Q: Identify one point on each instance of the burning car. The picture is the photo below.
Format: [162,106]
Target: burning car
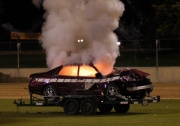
[82,80]
[83,88]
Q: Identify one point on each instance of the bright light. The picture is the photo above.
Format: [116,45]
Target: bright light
[73,71]
[80,40]
[69,71]
[118,43]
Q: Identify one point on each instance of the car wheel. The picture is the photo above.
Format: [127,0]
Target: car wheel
[121,108]
[71,107]
[50,94]
[111,92]
[105,108]
[88,107]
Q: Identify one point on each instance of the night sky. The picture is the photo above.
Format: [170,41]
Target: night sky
[22,15]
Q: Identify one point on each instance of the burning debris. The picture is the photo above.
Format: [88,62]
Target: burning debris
[81,31]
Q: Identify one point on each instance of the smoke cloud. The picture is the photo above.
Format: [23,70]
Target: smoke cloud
[81,31]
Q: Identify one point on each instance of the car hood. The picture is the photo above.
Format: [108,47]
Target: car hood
[127,71]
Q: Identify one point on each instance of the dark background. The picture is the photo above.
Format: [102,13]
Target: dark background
[142,24]
[142,19]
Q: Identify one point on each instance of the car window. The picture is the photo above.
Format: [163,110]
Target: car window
[87,71]
[69,71]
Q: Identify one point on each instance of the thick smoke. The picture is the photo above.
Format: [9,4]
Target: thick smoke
[81,31]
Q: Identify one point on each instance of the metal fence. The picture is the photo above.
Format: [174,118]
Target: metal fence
[24,46]
[133,53]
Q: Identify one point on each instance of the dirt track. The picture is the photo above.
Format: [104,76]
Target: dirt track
[19,90]
[13,90]
[167,90]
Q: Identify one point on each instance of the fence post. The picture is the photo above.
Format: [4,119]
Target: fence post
[157,61]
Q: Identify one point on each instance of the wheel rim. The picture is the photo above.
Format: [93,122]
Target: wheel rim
[88,107]
[71,107]
[111,92]
[50,94]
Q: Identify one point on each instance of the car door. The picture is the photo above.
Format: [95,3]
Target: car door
[85,81]
[67,79]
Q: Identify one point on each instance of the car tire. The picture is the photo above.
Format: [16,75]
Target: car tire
[71,107]
[105,108]
[111,92]
[50,94]
[88,107]
[121,108]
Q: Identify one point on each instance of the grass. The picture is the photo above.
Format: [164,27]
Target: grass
[164,113]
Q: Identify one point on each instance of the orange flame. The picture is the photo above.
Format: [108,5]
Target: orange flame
[69,71]
[73,71]
[104,68]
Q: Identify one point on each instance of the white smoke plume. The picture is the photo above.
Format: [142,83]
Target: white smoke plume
[81,31]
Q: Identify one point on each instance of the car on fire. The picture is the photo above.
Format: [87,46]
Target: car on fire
[83,88]
[83,80]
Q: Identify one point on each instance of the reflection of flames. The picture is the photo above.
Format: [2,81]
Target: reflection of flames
[83,71]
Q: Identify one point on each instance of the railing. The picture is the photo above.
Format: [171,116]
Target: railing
[142,53]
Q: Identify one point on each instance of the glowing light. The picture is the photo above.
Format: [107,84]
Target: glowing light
[69,71]
[104,68]
[87,71]
[80,40]
[73,71]
[118,43]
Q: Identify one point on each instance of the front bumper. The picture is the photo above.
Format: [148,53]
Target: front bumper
[150,86]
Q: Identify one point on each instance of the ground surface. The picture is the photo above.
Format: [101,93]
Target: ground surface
[18,90]
[167,90]
[164,113]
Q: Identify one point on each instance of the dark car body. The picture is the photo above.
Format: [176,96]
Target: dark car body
[122,83]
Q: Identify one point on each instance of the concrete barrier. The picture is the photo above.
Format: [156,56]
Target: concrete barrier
[21,72]
[160,74]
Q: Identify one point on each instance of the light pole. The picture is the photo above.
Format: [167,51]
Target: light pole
[157,61]
[119,44]
[18,46]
